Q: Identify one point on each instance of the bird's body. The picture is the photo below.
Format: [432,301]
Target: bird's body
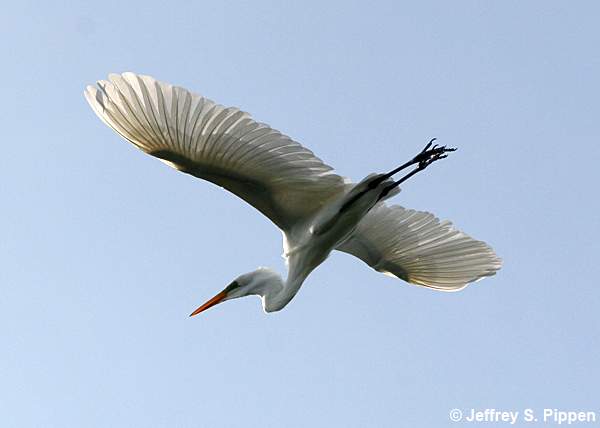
[307,245]
[316,210]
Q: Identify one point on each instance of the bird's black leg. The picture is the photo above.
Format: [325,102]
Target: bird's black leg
[427,156]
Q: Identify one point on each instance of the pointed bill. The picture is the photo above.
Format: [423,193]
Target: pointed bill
[212,302]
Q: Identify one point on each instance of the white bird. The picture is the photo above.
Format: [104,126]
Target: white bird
[317,210]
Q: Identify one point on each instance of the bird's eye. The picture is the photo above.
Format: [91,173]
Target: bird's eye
[232,286]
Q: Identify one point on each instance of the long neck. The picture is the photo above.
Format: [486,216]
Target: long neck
[278,296]
[275,300]
[301,261]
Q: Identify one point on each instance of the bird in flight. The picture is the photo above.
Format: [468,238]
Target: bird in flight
[317,210]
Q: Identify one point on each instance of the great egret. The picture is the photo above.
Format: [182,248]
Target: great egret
[317,210]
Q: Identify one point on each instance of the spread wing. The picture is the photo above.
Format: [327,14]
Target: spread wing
[270,171]
[416,247]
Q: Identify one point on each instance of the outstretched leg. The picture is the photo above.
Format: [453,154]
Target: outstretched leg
[427,156]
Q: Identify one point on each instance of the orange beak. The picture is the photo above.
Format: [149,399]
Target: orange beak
[212,302]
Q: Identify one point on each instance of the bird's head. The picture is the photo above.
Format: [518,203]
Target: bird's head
[262,282]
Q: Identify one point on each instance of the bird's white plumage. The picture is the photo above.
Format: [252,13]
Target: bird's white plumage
[317,210]
[275,174]
[416,247]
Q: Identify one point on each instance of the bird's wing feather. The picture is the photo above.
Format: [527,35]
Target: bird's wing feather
[416,247]
[270,171]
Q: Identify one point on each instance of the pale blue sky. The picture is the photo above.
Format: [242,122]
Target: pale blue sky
[105,251]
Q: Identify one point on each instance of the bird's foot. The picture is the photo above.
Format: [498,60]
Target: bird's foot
[431,154]
[427,156]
